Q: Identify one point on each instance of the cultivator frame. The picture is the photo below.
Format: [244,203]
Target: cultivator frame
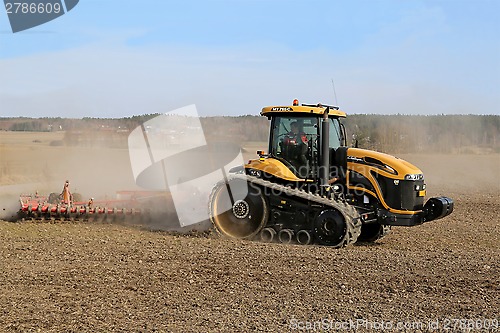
[35,207]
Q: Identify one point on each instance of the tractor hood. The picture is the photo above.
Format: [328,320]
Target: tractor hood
[385,164]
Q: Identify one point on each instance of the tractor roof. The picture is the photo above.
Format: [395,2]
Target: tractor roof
[303,109]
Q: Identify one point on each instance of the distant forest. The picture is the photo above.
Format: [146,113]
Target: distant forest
[389,133]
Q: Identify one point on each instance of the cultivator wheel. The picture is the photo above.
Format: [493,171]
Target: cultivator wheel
[54,198]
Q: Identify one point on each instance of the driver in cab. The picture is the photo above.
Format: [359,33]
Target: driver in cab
[295,137]
[295,144]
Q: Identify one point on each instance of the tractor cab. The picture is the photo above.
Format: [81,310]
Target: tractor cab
[296,139]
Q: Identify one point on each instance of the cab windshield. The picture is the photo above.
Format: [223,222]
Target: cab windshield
[295,141]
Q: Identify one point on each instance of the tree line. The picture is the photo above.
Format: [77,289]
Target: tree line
[436,133]
[389,133]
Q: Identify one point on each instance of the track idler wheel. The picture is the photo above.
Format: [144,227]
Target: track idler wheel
[285,236]
[373,231]
[304,237]
[237,209]
[332,228]
[267,235]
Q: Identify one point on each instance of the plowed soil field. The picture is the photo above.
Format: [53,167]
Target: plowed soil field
[101,277]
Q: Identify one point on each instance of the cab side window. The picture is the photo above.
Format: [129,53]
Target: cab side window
[292,140]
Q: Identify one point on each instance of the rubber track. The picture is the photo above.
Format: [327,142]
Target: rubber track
[350,214]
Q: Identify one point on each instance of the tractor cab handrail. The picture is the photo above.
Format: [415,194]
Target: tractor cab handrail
[321,105]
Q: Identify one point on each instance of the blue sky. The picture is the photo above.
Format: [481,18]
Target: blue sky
[114,58]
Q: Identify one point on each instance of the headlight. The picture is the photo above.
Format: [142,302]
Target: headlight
[416,176]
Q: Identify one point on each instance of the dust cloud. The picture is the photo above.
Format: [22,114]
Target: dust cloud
[464,173]
[29,164]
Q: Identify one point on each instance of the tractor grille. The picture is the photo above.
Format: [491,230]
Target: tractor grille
[401,194]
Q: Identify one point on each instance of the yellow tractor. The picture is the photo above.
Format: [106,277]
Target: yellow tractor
[311,188]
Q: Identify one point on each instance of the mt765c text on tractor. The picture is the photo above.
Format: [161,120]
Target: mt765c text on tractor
[311,188]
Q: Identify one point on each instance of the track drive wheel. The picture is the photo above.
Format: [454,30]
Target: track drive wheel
[373,231]
[333,228]
[237,209]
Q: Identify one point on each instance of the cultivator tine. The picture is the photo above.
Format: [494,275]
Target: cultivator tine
[55,212]
[43,209]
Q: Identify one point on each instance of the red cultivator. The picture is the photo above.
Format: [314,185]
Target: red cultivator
[127,205]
